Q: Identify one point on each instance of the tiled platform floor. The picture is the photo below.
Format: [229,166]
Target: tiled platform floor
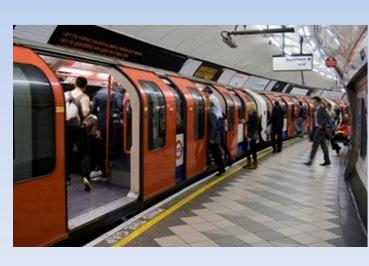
[282,203]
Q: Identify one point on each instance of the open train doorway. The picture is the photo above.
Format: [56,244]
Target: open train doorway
[99,176]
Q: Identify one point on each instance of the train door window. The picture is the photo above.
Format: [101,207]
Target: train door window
[180,107]
[230,110]
[241,109]
[156,113]
[34,130]
[199,113]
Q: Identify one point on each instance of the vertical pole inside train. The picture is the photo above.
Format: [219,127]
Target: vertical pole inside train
[107,123]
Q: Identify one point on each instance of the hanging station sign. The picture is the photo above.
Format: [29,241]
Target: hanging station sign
[293,62]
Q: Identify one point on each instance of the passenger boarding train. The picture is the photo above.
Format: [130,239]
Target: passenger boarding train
[162,142]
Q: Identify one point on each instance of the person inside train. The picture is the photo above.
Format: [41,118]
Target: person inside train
[208,92]
[342,133]
[253,125]
[301,116]
[321,120]
[277,121]
[99,109]
[214,138]
[77,106]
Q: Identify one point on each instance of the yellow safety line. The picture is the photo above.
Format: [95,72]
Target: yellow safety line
[125,240]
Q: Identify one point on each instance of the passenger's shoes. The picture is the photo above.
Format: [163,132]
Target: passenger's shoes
[220,173]
[338,150]
[101,179]
[248,164]
[325,164]
[307,163]
[94,174]
[87,184]
[253,166]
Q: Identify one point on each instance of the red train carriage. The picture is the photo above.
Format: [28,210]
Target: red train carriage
[160,144]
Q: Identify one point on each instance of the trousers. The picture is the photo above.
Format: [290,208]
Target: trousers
[319,139]
[277,132]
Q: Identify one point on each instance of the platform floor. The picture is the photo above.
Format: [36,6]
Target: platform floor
[282,203]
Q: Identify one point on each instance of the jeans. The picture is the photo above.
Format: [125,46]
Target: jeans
[299,126]
[319,139]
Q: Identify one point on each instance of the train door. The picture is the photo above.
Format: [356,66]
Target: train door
[249,104]
[241,115]
[180,131]
[105,160]
[262,109]
[269,112]
[231,120]
[289,111]
[39,206]
[157,132]
[195,126]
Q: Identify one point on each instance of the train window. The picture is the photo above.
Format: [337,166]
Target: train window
[241,109]
[34,126]
[199,113]
[230,110]
[156,112]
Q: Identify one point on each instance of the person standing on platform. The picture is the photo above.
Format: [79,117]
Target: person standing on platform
[276,120]
[252,137]
[214,138]
[300,120]
[77,106]
[321,120]
[208,92]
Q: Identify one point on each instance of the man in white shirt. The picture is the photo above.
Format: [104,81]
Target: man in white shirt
[76,133]
[217,108]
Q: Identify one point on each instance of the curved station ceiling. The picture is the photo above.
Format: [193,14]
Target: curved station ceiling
[253,53]
[243,54]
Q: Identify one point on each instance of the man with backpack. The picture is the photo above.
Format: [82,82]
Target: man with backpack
[300,120]
[77,106]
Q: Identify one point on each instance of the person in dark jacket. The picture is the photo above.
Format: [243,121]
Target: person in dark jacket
[99,110]
[276,120]
[252,137]
[321,119]
[214,139]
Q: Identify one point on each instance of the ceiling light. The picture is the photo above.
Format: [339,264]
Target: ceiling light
[330,76]
[330,32]
[336,40]
[75,71]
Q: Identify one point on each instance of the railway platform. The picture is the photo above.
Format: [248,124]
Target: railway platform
[282,203]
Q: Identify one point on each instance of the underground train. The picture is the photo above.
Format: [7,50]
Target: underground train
[161,139]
